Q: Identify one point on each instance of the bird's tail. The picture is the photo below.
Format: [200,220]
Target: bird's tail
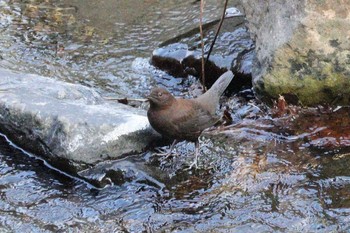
[221,83]
[212,96]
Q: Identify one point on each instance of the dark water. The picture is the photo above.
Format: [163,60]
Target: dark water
[262,174]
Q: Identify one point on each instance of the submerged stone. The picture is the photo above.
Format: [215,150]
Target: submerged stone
[69,125]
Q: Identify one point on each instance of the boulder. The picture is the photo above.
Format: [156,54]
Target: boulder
[69,125]
[302,50]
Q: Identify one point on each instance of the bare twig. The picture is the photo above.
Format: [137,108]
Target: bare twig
[217,31]
[5,90]
[202,44]
[119,99]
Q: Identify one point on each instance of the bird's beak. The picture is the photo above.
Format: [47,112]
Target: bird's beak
[150,98]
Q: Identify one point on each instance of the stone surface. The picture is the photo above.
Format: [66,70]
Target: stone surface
[303,49]
[69,125]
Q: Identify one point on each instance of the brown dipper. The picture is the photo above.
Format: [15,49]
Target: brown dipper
[185,119]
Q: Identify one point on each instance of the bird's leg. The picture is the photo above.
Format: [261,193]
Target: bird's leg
[195,162]
[167,153]
[172,146]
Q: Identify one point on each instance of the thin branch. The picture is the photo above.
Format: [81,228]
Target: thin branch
[128,99]
[6,90]
[217,31]
[202,44]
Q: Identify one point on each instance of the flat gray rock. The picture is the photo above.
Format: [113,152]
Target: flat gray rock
[69,125]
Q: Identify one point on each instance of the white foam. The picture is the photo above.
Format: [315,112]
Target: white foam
[233,11]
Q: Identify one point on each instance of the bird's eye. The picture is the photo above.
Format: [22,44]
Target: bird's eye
[160,94]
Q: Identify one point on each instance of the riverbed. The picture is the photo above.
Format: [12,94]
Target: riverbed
[262,173]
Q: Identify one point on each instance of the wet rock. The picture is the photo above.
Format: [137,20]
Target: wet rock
[170,58]
[121,171]
[69,125]
[302,50]
[233,50]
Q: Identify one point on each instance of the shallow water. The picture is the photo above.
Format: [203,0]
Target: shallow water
[259,181]
[261,174]
[105,45]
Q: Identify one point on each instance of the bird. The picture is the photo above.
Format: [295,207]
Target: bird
[185,119]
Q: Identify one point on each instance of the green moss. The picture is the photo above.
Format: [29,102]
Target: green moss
[312,85]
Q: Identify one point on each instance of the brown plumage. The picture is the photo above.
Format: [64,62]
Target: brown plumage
[181,119]
[185,119]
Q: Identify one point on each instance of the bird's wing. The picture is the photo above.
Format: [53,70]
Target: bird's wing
[191,118]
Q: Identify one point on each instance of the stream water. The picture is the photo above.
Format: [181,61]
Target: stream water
[261,174]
